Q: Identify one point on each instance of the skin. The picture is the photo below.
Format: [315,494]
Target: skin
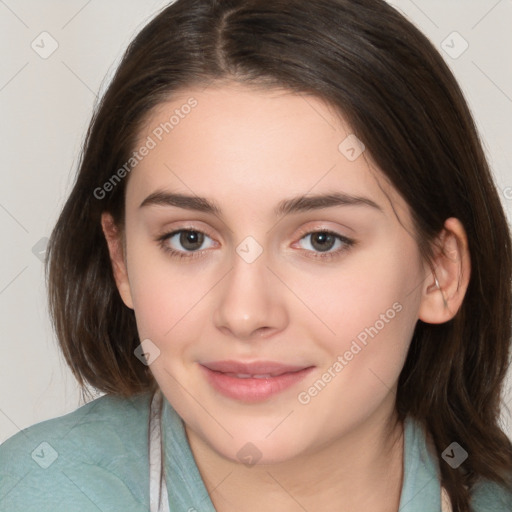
[247,149]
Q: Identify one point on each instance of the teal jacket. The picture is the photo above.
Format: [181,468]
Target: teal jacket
[96,459]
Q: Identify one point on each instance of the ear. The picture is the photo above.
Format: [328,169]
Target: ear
[448,278]
[117,257]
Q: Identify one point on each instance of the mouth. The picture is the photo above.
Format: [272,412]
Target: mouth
[254,369]
[252,382]
[249,376]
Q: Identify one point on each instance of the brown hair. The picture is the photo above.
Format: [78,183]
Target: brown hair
[403,102]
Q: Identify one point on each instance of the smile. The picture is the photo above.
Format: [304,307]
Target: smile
[252,387]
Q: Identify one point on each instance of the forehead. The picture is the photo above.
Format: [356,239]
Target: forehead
[237,141]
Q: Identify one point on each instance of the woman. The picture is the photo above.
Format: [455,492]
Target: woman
[285,262]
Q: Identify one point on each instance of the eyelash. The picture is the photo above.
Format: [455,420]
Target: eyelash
[325,256]
[348,243]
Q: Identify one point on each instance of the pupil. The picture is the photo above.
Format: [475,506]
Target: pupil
[191,240]
[325,241]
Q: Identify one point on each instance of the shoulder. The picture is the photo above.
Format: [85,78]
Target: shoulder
[486,495]
[489,496]
[79,460]
[109,426]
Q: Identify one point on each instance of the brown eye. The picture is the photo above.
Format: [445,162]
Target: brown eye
[322,241]
[191,240]
[184,241]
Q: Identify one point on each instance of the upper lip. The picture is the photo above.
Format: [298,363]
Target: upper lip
[256,368]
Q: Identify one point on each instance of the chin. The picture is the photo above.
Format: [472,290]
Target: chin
[251,451]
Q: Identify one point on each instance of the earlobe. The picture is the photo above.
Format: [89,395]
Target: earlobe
[448,277]
[117,257]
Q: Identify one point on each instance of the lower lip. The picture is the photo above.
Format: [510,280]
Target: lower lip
[253,390]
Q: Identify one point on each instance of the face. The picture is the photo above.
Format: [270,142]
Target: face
[242,270]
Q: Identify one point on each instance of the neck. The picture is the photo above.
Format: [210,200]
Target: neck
[363,470]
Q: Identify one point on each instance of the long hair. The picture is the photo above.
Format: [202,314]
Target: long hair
[402,102]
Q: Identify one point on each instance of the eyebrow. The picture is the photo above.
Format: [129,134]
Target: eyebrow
[287,206]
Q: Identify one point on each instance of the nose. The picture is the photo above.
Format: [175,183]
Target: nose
[251,301]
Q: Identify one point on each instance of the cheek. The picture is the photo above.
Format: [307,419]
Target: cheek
[172,304]
[165,304]
[362,362]
[375,289]
[162,295]
[371,307]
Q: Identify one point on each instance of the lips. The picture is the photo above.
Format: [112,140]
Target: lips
[259,369]
[252,382]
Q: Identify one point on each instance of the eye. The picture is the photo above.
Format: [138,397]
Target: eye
[184,243]
[188,243]
[324,242]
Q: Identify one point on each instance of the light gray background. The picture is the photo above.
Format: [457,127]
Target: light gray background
[46,104]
